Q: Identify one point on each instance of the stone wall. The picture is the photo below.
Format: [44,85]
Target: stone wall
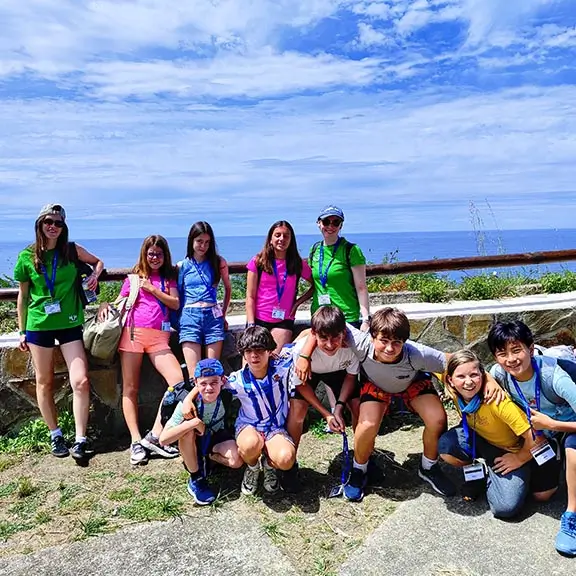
[441,330]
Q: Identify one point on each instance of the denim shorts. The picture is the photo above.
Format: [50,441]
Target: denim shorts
[48,338]
[198,325]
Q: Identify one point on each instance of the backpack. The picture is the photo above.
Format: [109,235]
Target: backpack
[174,315]
[101,338]
[82,269]
[347,245]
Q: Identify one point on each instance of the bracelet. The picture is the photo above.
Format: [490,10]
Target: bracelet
[340,402]
[305,356]
[250,324]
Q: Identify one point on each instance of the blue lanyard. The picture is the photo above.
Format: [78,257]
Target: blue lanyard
[323,274]
[280,289]
[162,305]
[347,462]
[526,404]
[205,281]
[205,439]
[267,396]
[466,429]
[51,283]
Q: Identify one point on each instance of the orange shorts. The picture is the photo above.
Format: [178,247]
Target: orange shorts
[145,340]
[371,393]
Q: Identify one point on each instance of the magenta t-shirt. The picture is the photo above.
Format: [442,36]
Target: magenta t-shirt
[267,294]
[147,312]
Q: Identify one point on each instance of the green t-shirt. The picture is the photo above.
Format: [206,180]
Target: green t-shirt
[340,285]
[71,312]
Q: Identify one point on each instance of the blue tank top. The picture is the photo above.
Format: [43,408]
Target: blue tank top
[198,282]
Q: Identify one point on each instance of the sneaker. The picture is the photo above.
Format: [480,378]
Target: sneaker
[250,481]
[58,447]
[78,451]
[291,480]
[271,480]
[354,488]
[472,490]
[138,454]
[438,480]
[199,490]
[566,537]
[152,444]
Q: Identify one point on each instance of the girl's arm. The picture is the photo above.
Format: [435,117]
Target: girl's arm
[224,274]
[359,275]
[172,300]
[512,461]
[94,261]
[22,309]
[251,290]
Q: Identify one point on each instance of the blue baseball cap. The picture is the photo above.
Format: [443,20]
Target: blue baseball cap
[208,367]
[331,210]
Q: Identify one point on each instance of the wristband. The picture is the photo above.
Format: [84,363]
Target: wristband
[367,319]
[250,324]
[340,402]
[305,356]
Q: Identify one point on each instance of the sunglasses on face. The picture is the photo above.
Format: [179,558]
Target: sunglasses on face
[50,222]
[331,222]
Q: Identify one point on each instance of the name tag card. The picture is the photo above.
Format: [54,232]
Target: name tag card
[542,453]
[278,314]
[324,300]
[52,308]
[475,471]
[165,326]
[217,311]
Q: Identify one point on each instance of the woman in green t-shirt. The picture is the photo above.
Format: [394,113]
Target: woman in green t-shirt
[50,311]
[339,271]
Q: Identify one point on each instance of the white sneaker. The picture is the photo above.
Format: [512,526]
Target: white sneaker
[137,454]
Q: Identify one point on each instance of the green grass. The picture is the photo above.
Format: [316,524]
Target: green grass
[26,487]
[144,509]
[7,529]
[121,495]
[93,526]
[273,531]
[8,489]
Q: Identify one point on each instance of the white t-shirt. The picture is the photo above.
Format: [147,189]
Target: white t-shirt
[322,363]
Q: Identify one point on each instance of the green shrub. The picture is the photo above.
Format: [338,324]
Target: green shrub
[558,282]
[109,291]
[488,287]
[434,290]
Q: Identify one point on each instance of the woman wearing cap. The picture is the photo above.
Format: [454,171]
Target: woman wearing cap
[339,271]
[50,311]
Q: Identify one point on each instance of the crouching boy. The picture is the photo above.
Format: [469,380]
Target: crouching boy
[203,437]
[263,391]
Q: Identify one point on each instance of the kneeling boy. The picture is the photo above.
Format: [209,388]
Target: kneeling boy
[202,437]
[263,390]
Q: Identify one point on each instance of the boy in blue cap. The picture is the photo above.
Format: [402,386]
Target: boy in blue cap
[198,425]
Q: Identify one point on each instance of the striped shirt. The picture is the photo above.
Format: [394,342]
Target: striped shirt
[264,402]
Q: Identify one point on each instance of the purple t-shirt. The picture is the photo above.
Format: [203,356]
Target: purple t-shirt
[147,311]
[267,294]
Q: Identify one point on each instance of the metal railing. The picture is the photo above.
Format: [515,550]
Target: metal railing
[395,268]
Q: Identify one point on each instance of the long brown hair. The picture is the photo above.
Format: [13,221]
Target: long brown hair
[40,245]
[265,257]
[142,268]
[212,256]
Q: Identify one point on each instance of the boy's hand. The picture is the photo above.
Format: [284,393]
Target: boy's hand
[493,392]
[188,408]
[335,421]
[541,421]
[507,463]
[302,368]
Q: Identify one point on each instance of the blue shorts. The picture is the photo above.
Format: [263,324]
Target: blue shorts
[267,435]
[47,338]
[198,325]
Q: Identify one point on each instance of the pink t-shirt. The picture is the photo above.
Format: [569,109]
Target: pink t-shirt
[267,294]
[147,311]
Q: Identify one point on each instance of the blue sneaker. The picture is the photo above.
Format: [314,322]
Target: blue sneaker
[199,490]
[354,488]
[566,538]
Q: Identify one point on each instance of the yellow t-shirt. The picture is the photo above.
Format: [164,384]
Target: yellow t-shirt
[500,425]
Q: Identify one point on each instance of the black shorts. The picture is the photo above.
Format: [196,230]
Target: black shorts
[284,324]
[48,338]
[334,381]
[218,437]
[547,476]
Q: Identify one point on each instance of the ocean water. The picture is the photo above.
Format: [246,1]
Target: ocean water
[401,247]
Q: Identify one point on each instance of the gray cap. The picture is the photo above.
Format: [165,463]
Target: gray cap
[50,209]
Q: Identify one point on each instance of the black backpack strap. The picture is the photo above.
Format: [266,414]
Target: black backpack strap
[349,246]
[315,247]
[73,252]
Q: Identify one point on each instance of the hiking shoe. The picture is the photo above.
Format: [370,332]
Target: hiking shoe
[271,480]
[438,480]
[152,444]
[199,490]
[472,490]
[250,481]
[291,480]
[566,537]
[137,454]
[354,488]
[58,447]
[78,451]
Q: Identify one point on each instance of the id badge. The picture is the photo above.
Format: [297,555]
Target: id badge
[217,311]
[542,453]
[52,308]
[324,299]
[474,472]
[165,326]
[278,314]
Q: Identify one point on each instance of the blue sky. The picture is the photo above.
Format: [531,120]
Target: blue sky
[144,116]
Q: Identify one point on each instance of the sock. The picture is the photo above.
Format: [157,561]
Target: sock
[363,467]
[266,463]
[427,463]
[255,466]
[80,439]
[54,433]
[195,475]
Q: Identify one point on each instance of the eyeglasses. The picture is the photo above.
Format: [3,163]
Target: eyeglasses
[50,222]
[156,255]
[331,222]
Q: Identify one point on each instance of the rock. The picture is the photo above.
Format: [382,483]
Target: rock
[106,385]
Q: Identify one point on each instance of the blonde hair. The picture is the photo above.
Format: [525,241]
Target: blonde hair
[464,356]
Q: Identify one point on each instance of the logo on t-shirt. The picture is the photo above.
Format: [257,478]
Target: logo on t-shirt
[73,318]
[344,364]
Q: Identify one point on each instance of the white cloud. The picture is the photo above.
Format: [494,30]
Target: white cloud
[369,36]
